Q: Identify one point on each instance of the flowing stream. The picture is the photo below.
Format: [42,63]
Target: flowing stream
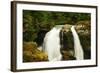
[77,45]
[51,44]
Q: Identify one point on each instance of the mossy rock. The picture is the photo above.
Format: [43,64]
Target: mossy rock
[67,55]
[32,54]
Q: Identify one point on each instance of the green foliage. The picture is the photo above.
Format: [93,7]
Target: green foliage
[34,21]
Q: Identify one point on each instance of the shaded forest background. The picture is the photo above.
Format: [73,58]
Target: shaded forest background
[35,21]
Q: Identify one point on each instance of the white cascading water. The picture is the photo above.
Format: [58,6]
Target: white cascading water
[51,44]
[79,54]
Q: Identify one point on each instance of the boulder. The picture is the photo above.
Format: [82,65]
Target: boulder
[32,54]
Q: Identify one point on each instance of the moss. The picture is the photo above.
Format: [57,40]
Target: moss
[32,54]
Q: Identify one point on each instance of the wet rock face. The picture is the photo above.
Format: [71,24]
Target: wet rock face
[67,43]
[66,40]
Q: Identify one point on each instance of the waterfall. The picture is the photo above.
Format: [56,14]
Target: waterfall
[77,45]
[51,44]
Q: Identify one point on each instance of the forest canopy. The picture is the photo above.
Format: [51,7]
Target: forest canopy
[35,21]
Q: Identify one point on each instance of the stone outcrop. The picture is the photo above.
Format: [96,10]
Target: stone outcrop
[83,29]
[32,54]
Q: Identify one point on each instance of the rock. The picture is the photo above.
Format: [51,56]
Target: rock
[83,29]
[67,55]
[66,28]
[29,46]
[32,54]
